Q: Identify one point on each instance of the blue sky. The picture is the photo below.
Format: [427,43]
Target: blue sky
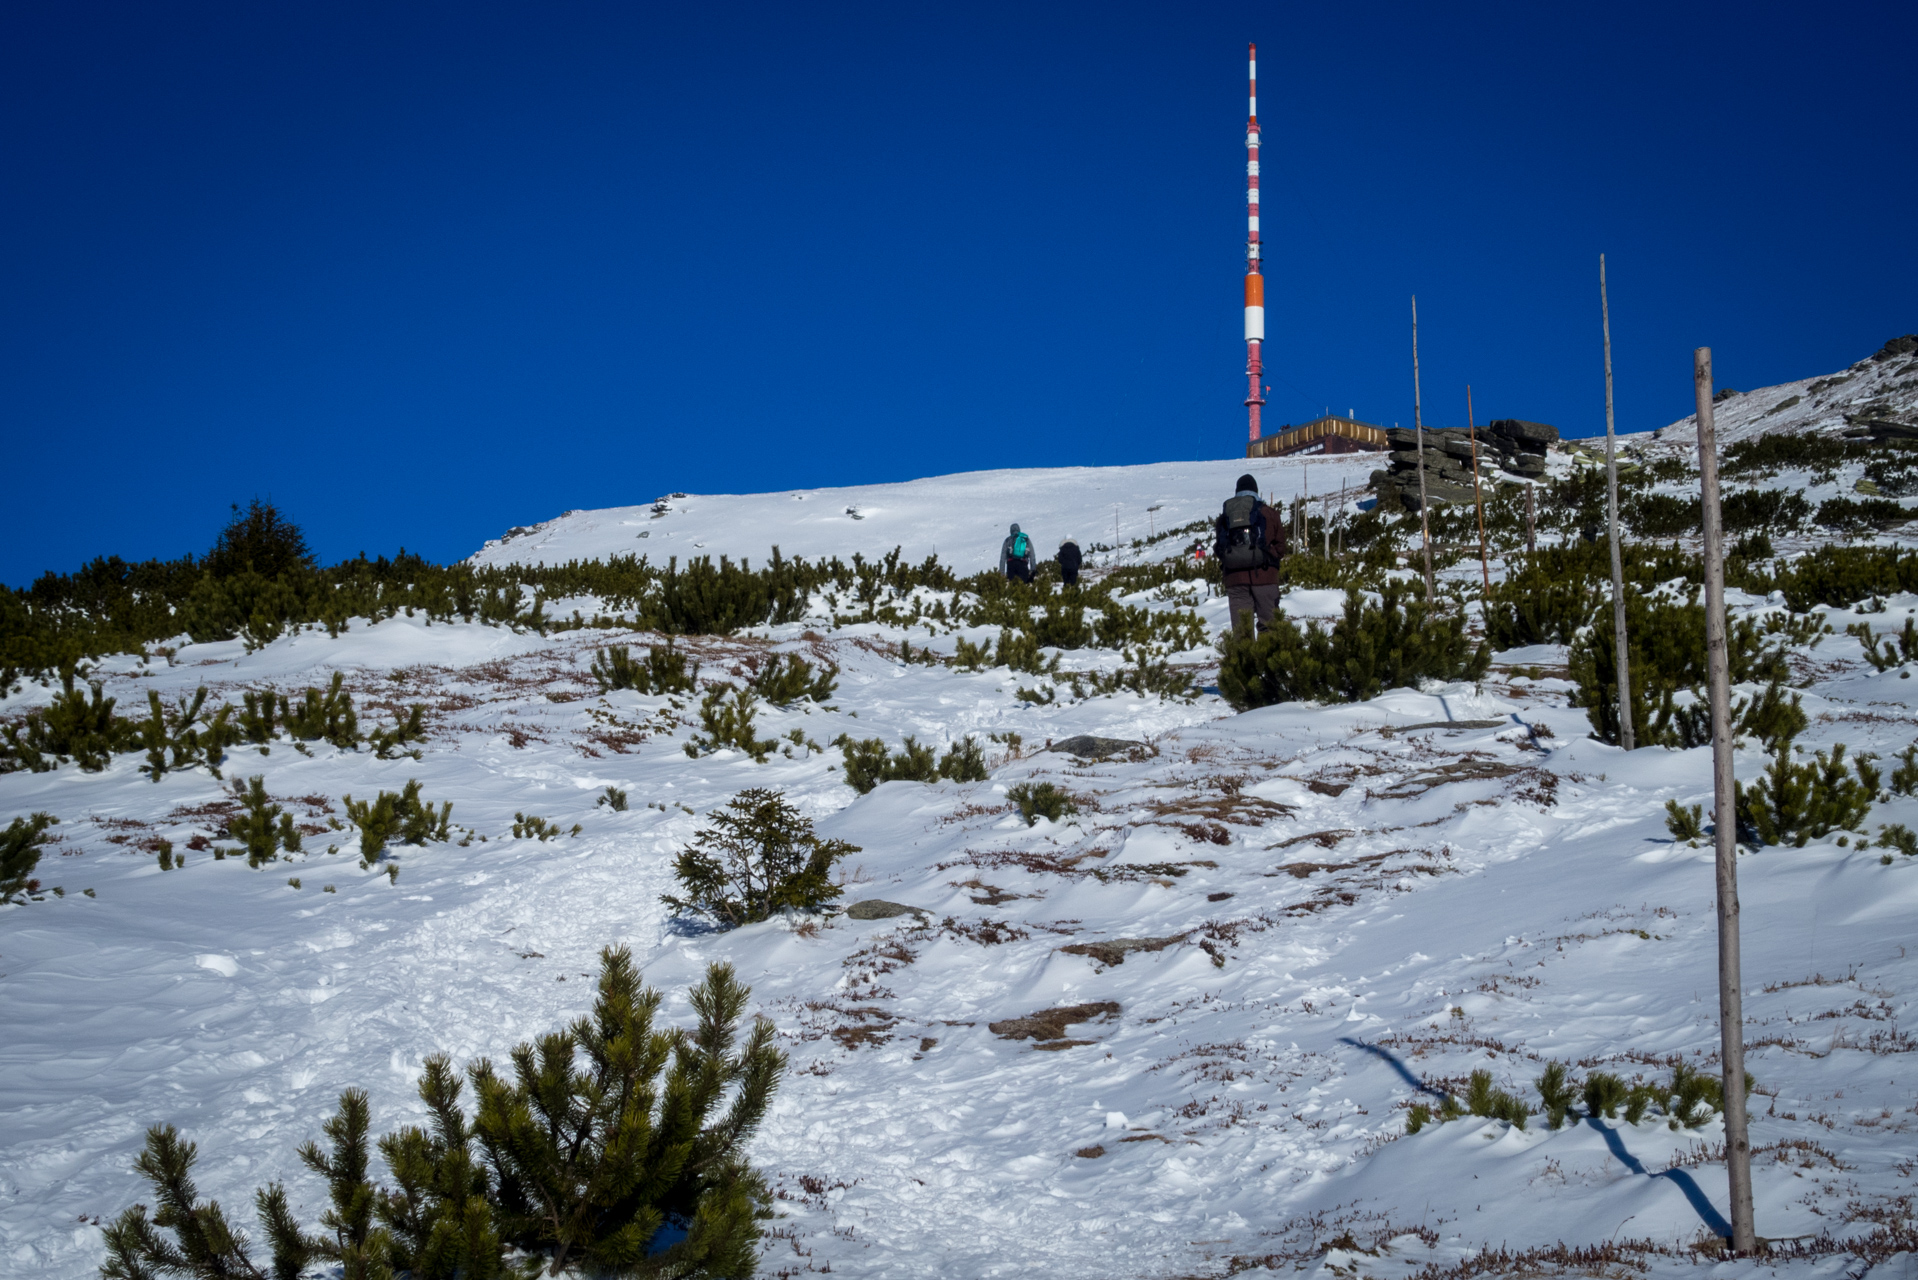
[419,272]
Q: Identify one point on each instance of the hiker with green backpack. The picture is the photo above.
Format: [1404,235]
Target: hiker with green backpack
[1016,558]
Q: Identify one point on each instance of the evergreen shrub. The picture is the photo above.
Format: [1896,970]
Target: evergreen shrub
[532,827]
[20,846]
[78,726]
[262,827]
[1792,803]
[614,1147]
[757,855]
[1689,1100]
[182,736]
[1856,515]
[400,817]
[787,677]
[613,798]
[868,763]
[1370,648]
[1685,822]
[1904,777]
[1842,576]
[1550,595]
[1041,800]
[1893,651]
[729,724]
[1667,654]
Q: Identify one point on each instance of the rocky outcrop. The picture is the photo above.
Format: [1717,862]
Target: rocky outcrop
[1507,447]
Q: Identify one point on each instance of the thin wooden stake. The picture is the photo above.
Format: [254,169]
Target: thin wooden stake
[1531,519]
[1418,423]
[1625,737]
[1731,1004]
[1485,569]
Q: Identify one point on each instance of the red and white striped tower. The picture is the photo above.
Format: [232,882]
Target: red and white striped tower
[1254,282]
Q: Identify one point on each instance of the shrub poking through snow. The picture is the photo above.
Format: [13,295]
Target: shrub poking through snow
[327,717]
[1896,835]
[1481,1099]
[964,762]
[262,827]
[757,855]
[398,817]
[613,668]
[729,724]
[1370,648]
[786,678]
[1897,648]
[1041,800]
[1685,822]
[79,726]
[20,846]
[1793,803]
[527,826]
[868,763]
[1547,598]
[1690,1099]
[389,744]
[970,656]
[182,736]
[614,1146]
[1904,777]
[1557,1094]
[613,799]
[1768,717]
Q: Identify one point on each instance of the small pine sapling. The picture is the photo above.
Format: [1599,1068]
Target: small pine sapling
[613,669]
[729,724]
[1904,777]
[401,816]
[1481,1099]
[20,846]
[786,678]
[75,726]
[1605,1093]
[1769,717]
[1418,1117]
[262,827]
[1897,835]
[758,855]
[964,761]
[1897,649]
[971,657]
[613,799]
[531,827]
[176,737]
[1685,822]
[1041,800]
[1558,1094]
[325,716]
[389,744]
[1793,803]
[868,763]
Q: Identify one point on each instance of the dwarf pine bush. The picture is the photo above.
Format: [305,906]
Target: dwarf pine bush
[20,846]
[183,735]
[1370,648]
[868,763]
[397,817]
[664,671]
[262,827]
[579,1158]
[327,717]
[389,744]
[1685,822]
[729,724]
[1041,800]
[757,855]
[1793,803]
[1689,1099]
[786,678]
[1667,653]
[613,668]
[1548,597]
[1895,650]
[78,726]
[528,826]
[1904,777]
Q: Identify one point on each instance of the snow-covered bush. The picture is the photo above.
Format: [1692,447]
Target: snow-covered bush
[78,725]
[1793,803]
[264,828]
[1667,659]
[658,1183]
[397,818]
[729,724]
[1370,648]
[868,763]
[1688,1100]
[787,677]
[757,855]
[20,853]
[1038,800]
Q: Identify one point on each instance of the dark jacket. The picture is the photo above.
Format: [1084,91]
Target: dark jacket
[1016,566]
[1069,560]
[1275,547]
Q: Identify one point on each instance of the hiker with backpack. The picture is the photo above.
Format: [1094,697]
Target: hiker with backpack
[1249,542]
[1015,556]
[1069,562]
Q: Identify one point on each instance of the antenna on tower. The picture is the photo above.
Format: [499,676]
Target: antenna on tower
[1254,282]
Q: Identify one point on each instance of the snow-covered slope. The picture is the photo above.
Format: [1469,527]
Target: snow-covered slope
[1882,387]
[1341,910]
[960,518]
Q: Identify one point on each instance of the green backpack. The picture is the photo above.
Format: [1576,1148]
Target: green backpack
[1020,546]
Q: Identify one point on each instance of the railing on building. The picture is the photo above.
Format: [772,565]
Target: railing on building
[1342,435]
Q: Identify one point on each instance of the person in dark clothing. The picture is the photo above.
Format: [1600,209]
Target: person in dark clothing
[1016,558]
[1249,540]
[1069,562]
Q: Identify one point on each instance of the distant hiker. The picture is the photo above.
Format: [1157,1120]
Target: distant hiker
[1069,562]
[1249,542]
[1015,556]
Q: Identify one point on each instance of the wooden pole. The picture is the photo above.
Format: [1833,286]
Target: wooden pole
[1418,424]
[1625,737]
[1731,1005]
[1485,570]
[1531,518]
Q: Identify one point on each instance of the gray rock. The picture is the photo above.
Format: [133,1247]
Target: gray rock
[880,909]
[1088,747]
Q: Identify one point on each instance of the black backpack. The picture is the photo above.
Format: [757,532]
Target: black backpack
[1242,534]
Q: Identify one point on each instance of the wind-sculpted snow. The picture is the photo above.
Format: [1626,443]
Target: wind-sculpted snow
[1341,914]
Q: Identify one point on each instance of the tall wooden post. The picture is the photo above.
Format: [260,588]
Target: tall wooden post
[1531,518]
[1418,423]
[1471,427]
[1625,736]
[1731,1004]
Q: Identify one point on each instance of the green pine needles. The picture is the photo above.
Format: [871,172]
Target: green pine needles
[262,827]
[1793,803]
[1370,648]
[756,856]
[666,670]
[1689,1099]
[397,817]
[787,678]
[20,846]
[868,763]
[729,724]
[611,1147]
[1038,800]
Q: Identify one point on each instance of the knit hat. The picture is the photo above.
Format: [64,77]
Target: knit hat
[1248,484]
